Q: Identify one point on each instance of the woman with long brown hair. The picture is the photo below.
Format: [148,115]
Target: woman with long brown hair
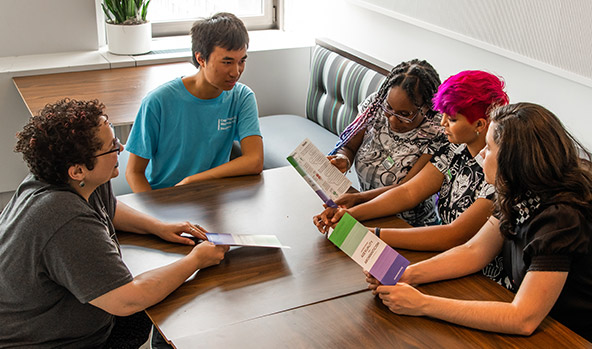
[542,224]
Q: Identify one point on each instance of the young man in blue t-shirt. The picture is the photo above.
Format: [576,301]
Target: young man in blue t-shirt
[184,130]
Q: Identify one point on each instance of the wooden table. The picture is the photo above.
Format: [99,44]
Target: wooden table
[121,89]
[311,295]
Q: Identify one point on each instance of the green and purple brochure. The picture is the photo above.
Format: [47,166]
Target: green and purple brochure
[245,240]
[366,249]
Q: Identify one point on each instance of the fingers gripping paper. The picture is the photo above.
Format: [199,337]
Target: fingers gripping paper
[366,249]
[325,179]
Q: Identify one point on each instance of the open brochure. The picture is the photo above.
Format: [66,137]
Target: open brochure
[325,179]
[245,240]
[366,249]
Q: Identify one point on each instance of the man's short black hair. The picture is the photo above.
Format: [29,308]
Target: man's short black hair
[222,29]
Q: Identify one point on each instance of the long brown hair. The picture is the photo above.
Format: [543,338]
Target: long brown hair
[538,155]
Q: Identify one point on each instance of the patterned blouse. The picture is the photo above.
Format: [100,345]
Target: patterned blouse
[385,157]
[464,180]
[464,183]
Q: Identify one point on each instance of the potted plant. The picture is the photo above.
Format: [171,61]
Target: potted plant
[128,31]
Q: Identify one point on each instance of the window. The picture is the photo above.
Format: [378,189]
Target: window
[175,17]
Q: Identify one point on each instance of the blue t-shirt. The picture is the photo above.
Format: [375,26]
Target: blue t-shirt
[183,135]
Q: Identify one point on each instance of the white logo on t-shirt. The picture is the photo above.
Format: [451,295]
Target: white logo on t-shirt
[225,124]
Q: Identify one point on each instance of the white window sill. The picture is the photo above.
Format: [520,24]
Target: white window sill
[262,40]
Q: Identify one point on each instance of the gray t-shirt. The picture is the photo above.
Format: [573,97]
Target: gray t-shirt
[57,253]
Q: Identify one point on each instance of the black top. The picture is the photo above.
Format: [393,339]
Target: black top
[557,238]
[464,181]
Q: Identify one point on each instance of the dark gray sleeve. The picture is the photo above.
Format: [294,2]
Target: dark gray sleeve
[83,258]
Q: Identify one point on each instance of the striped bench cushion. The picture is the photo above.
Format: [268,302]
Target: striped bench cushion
[337,86]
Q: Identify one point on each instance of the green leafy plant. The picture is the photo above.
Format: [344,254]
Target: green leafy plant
[125,11]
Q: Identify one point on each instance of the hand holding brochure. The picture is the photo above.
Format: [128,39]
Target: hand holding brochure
[325,179]
[245,240]
[366,249]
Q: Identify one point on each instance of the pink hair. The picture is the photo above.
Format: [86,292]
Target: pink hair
[471,93]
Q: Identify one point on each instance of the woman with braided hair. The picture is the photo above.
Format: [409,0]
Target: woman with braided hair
[393,137]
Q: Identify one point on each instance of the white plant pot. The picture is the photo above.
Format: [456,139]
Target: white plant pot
[129,39]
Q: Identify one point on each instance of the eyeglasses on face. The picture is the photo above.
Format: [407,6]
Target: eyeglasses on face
[116,148]
[388,111]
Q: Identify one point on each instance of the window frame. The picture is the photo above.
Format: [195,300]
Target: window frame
[269,20]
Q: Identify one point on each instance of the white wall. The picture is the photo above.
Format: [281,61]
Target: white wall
[41,26]
[393,41]
[279,79]
[13,116]
[35,27]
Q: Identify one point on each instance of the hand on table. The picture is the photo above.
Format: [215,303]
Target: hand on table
[328,218]
[172,232]
[402,298]
[208,254]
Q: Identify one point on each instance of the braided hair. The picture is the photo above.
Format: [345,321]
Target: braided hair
[417,78]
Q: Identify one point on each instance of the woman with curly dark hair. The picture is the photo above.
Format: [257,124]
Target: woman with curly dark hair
[542,225]
[63,279]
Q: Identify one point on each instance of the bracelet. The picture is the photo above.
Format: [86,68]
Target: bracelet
[377,231]
[343,156]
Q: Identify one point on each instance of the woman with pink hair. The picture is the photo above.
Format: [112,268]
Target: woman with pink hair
[454,172]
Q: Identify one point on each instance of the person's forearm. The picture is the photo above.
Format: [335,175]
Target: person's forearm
[489,316]
[154,285]
[536,296]
[430,238]
[457,262]
[240,166]
[373,193]
[137,182]
[392,201]
[538,293]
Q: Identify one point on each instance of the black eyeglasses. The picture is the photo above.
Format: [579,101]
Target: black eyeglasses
[403,118]
[117,148]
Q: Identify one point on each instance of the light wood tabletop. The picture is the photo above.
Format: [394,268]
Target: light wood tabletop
[311,295]
[120,89]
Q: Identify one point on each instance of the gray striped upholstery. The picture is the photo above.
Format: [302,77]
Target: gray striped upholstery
[337,86]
